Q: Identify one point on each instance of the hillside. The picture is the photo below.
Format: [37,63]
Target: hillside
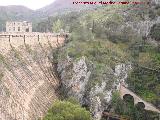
[20,13]
[13,13]
[57,6]
[107,48]
[61,6]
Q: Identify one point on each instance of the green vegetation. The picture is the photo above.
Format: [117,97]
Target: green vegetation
[127,109]
[155,30]
[65,110]
[100,37]
[4,61]
[1,76]
[144,78]
[57,25]
[99,53]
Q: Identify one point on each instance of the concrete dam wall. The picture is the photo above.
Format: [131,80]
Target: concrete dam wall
[27,79]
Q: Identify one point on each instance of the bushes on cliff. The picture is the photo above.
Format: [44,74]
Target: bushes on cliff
[57,26]
[81,33]
[1,76]
[155,30]
[64,110]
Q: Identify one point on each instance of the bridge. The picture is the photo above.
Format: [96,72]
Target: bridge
[147,106]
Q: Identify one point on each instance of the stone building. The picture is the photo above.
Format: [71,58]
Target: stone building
[18,26]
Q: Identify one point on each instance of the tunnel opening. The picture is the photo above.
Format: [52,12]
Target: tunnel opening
[128,99]
[140,105]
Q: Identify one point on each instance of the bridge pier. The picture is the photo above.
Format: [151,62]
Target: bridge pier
[24,38]
[124,91]
[38,38]
[9,38]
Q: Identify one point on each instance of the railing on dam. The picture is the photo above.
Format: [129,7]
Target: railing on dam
[34,34]
[18,39]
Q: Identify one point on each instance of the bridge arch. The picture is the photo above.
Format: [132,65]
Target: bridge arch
[140,105]
[132,99]
[128,98]
[137,100]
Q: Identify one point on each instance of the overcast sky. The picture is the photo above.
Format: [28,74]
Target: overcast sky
[33,4]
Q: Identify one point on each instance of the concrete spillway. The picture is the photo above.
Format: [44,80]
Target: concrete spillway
[27,80]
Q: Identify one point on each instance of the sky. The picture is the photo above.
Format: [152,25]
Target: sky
[32,4]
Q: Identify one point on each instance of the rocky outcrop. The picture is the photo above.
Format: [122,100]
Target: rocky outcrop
[74,77]
[143,27]
[76,82]
[101,95]
[121,73]
[142,19]
[155,2]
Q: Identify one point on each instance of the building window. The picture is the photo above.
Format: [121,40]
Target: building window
[27,30]
[14,29]
[18,28]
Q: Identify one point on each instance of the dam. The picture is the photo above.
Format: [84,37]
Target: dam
[27,78]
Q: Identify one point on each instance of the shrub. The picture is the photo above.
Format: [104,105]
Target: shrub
[152,14]
[81,33]
[64,110]
[155,30]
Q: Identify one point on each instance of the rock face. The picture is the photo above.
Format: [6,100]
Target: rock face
[101,95]
[76,79]
[155,2]
[143,27]
[74,76]
[121,73]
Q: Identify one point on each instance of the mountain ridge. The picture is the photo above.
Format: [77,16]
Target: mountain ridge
[20,12]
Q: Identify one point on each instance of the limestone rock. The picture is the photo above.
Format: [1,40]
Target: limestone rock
[76,79]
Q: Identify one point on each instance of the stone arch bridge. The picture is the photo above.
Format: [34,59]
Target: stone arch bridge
[147,106]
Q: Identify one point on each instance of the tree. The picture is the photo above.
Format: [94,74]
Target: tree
[64,110]
[57,25]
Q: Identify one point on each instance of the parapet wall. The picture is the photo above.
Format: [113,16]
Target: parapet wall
[32,39]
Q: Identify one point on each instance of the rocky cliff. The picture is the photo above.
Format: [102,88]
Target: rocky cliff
[76,80]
